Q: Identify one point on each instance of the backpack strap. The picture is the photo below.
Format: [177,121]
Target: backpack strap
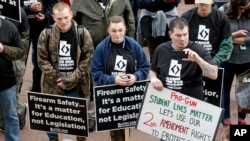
[80,32]
[48,32]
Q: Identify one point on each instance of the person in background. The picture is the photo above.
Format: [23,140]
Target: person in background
[39,16]
[154,22]
[60,77]
[219,3]
[36,21]
[19,68]
[135,8]
[47,11]
[210,28]
[11,48]
[105,71]
[181,73]
[94,14]
[238,13]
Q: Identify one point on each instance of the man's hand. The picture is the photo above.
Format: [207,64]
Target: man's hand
[125,79]
[1,48]
[60,83]
[156,83]
[240,33]
[192,56]
[36,7]
[131,79]
[40,17]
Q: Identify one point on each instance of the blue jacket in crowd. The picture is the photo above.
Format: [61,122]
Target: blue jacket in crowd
[100,60]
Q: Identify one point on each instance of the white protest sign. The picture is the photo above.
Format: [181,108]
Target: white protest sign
[173,116]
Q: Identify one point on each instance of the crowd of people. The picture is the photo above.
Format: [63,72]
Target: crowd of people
[213,34]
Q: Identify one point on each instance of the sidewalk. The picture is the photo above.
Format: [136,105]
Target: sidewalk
[33,135]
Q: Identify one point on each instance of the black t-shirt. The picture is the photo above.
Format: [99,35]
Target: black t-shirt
[67,52]
[208,31]
[121,60]
[178,75]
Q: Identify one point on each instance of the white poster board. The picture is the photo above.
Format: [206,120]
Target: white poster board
[173,116]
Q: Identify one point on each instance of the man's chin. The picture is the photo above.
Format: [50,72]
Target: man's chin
[204,14]
[63,29]
[117,41]
[182,45]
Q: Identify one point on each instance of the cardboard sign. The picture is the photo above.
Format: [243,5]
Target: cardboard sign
[10,9]
[118,107]
[173,116]
[213,88]
[59,114]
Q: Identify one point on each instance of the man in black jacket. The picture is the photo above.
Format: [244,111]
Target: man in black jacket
[39,16]
[11,48]
[19,69]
